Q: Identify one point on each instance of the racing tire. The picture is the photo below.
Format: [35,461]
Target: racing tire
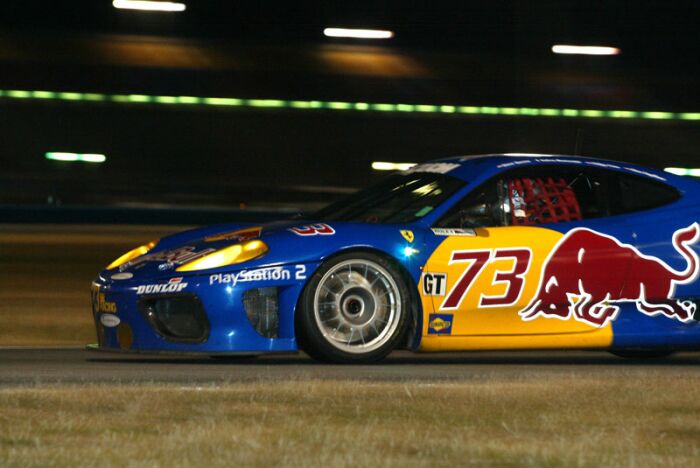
[354,309]
[642,353]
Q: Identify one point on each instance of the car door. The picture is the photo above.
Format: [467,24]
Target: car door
[520,257]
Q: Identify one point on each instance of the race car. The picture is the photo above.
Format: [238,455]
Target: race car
[492,252]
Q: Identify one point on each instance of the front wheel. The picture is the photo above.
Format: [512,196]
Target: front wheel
[353,310]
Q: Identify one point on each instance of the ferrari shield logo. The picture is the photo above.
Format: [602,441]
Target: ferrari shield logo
[408,235]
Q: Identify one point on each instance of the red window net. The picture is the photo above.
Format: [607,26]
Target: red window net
[537,201]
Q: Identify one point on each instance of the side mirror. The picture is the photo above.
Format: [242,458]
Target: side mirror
[475,211]
[477,215]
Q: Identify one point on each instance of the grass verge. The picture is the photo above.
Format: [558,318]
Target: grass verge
[45,273]
[561,421]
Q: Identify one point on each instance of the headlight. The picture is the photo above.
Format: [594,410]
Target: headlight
[237,253]
[132,254]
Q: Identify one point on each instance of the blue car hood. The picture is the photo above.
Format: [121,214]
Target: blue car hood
[289,242]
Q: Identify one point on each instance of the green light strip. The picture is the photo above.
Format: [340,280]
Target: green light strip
[75,157]
[345,106]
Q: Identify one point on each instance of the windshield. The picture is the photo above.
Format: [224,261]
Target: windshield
[400,198]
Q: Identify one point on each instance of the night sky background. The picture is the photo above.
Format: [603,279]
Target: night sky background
[480,54]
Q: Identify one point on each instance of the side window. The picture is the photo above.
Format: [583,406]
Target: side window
[541,195]
[480,208]
[630,193]
[531,196]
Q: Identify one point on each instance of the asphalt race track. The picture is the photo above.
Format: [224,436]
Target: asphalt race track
[22,366]
[45,274]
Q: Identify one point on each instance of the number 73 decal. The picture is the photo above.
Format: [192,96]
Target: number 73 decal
[511,276]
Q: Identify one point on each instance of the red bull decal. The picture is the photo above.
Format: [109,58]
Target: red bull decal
[588,274]
[241,235]
[177,256]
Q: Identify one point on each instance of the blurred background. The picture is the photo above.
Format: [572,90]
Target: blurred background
[249,110]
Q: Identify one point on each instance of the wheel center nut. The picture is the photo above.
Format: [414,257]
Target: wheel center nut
[353,305]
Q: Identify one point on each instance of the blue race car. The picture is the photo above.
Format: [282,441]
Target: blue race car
[509,251]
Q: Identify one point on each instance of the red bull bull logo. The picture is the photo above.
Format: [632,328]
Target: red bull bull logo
[588,274]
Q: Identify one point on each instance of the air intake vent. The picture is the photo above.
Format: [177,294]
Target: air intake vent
[177,318]
[261,307]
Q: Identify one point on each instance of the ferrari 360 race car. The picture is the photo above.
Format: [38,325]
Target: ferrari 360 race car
[509,251]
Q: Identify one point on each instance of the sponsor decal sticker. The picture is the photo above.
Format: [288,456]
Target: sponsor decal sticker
[174,285]
[241,235]
[439,168]
[453,232]
[125,336]
[408,235]
[109,320]
[571,284]
[434,284]
[135,267]
[122,276]
[177,256]
[103,305]
[600,164]
[558,160]
[440,324]
[313,230]
[262,274]
[513,163]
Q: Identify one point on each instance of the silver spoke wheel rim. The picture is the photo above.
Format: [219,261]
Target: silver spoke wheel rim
[357,306]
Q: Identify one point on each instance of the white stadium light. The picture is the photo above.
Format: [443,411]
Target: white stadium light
[358,33]
[148,5]
[390,166]
[93,158]
[683,171]
[584,50]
